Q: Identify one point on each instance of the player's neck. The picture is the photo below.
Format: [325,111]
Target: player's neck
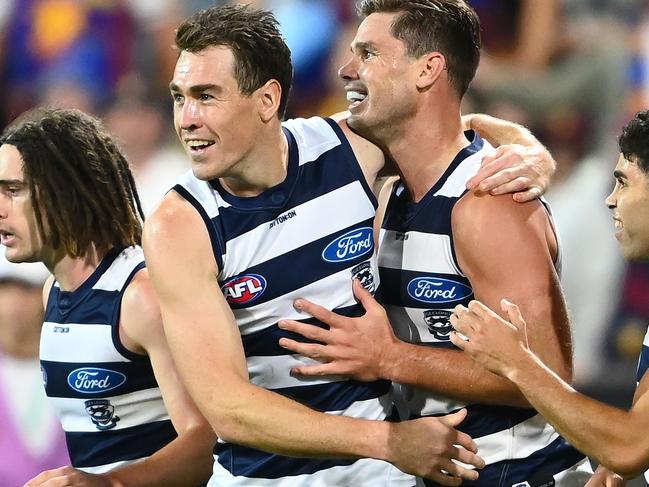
[426,149]
[265,166]
[72,272]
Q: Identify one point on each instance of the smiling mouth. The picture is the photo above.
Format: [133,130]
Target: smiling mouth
[355,98]
[198,146]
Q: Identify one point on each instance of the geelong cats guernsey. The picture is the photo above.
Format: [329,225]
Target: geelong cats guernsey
[306,237]
[643,365]
[107,398]
[421,283]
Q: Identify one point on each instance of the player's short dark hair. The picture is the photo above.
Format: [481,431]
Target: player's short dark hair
[82,189]
[634,141]
[253,36]
[450,27]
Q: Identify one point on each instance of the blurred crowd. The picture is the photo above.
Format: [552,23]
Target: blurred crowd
[574,71]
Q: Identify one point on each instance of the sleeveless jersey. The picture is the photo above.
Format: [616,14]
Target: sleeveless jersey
[421,283]
[106,397]
[643,365]
[306,237]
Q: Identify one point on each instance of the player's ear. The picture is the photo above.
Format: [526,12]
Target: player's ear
[269,97]
[431,66]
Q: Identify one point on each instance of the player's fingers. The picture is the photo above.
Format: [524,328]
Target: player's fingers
[469,451]
[453,419]
[457,467]
[317,311]
[311,350]
[444,479]
[528,195]
[507,181]
[460,340]
[307,330]
[513,313]
[364,296]
[316,370]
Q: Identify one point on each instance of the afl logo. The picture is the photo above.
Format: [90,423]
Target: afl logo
[353,244]
[90,380]
[437,290]
[244,289]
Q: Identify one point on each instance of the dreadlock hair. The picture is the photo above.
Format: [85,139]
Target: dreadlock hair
[253,36]
[634,141]
[82,189]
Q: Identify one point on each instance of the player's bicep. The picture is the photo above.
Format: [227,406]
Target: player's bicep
[504,250]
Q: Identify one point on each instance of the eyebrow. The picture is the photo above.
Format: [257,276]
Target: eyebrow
[14,182]
[366,45]
[619,174]
[195,88]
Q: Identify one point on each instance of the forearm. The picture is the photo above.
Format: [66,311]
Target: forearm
[615,438]
[449,373]
[186,461]
[252,416]
[501,132]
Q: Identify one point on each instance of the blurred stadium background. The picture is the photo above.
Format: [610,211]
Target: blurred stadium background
[574,71]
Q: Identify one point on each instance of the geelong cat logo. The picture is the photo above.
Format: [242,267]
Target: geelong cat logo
[350,245]
[90,380]
[437,290]
[244,289]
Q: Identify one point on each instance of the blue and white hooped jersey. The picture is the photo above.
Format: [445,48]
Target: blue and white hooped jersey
[306,237]
[106,397]
[421,283]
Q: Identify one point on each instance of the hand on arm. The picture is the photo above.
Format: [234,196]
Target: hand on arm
[615,438]
[520,165]
[206,344]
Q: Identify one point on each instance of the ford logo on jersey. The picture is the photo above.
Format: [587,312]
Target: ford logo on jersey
[244,289]
[437,290]
[349,246]
[90,380]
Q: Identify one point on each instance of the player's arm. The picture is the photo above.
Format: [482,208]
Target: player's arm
[495,239]
[617,439]
[187,460]
[520,165]
[206,345]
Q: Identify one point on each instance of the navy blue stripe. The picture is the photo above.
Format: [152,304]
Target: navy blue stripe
[483,420]
[331,171]
[139,376]
[218,246]
[335,396]
[104,447]
[248,462]
[312,267]
[401,214]
[99,308]
[117,342]
[266,342]
[355,165]
[537,469]
[643,364]
[393,289]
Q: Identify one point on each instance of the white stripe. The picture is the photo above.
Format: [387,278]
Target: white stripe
[109,466]
[313,136]
[133,409]
[274,372]
[331,292]
[337,209]
[80,343]
[575,476]
[115,277]
[519,441]
[367,409]
[418,251]
[362,473]
[455,184]
[646,338]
